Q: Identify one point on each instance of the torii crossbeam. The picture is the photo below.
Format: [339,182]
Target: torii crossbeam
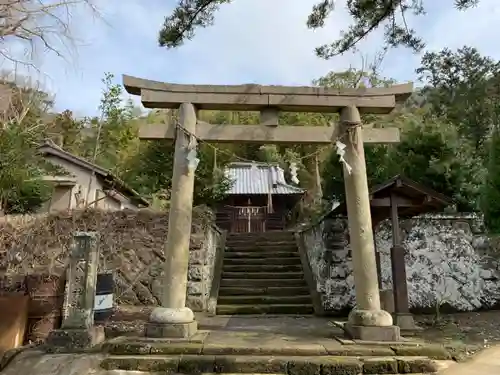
[367,321]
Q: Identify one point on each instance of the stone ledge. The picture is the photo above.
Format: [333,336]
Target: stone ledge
[198,345]
[7,356]
[429,350]
[74,340]
[290,365]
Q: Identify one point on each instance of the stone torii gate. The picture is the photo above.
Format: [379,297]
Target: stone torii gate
[174,319]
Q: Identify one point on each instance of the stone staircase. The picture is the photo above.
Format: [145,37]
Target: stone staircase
[262,274]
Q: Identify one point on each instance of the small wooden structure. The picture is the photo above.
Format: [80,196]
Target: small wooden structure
[398,198]
[259,199]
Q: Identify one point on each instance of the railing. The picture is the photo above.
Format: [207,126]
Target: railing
[245,219]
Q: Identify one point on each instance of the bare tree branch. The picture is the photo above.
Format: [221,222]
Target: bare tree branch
[26,25]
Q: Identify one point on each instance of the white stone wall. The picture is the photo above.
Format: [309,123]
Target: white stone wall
[447,261]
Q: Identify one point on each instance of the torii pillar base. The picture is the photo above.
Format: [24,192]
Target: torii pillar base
[171,323]
[373,333]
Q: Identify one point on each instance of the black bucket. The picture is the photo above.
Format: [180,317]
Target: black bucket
[103,303]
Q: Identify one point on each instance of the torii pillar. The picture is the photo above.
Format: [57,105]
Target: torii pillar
[367,321]
[174,318]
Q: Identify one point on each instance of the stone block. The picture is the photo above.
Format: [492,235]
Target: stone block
[373,333]
[195,273]
[432,351]
[405,322]
[173,330]
[416,365]
[194,288]
[380,365]
[74,340]
[250,364]
[164,365]
[311,367]
[196,364]
[195,303]
[341,365]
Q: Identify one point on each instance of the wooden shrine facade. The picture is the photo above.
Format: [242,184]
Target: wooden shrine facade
[259,200]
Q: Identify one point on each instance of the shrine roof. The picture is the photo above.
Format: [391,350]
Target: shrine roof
[259,179]
[425,199]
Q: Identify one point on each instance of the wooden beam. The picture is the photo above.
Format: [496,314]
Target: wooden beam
[386,202]
[135,85]
[427,199]
[318,135]
[257,102]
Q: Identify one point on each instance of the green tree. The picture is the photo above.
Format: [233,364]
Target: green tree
[21,187]
[149,171]
[23,125]
[462,86]
[367,15]
[115,134]
[431,152]
[491,193]
[333,182]
[68,131]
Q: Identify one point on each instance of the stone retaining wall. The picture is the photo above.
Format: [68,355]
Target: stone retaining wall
[131,247]
[449,261]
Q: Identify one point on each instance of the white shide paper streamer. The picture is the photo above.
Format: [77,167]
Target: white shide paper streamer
[341,152]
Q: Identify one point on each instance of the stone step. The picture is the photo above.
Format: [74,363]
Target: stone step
[290,365]
[267,248]
[261,243]
[246,345]
[269,291]
[262,267]
[263,275]
[263,235]
[229,260]
[134,372]
[262,254]
[256,283]
[126,372]
[290,309]
[262,300]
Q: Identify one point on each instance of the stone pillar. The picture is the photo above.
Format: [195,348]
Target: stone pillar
[367,321]
[173,318]
[77,330]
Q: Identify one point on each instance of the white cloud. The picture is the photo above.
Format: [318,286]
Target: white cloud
[259,41]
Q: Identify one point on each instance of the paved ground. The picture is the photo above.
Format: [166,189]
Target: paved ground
[485,363]
[288,328]
[31,362]
[260,331]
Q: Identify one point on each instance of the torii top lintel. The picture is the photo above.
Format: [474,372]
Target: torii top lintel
[252,97]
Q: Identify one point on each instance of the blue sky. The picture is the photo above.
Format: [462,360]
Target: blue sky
[252,41]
